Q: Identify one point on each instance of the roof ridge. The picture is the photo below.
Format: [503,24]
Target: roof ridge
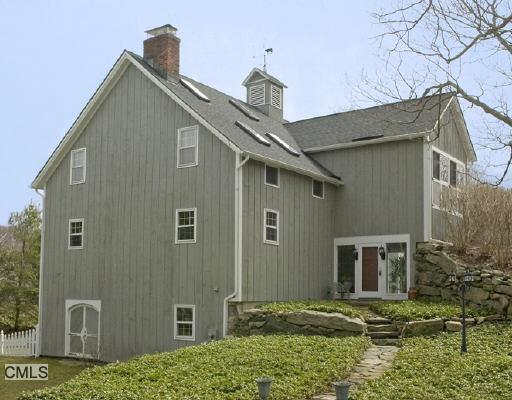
[367,108]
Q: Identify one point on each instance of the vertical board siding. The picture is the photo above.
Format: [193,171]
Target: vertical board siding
[300,267]
[130,261]
[383,191]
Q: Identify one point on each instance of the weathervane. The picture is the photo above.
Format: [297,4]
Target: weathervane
[268,51]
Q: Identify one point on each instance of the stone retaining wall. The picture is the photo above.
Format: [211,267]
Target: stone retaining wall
[257,322]
[491,288]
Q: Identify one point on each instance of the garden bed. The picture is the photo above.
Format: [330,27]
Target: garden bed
[433,368]
[327,306]
[225,370]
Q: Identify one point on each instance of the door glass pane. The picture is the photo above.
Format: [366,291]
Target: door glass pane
[75,344]
[396,268]
[91,320]
[76,320]
[91,346]
[346,268]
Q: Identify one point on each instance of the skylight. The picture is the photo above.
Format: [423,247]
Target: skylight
[200,95]
[253,133]
[283,144]
[244,110]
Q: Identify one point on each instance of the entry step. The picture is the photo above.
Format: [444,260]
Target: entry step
[378,321]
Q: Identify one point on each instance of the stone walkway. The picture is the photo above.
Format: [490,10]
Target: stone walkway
[376,360]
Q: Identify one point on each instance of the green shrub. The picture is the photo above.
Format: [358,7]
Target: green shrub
[433,368]
[412,310]
[329,306]
[223,370]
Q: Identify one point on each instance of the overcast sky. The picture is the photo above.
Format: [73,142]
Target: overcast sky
[56,53]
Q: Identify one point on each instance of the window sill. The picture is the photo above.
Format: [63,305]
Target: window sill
[185,338]
[270,242]
[187,165]
[185,241]
[274,186]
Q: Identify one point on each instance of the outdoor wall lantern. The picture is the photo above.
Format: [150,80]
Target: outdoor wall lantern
[382,253]
[264,383]
[463,285]
[355,254]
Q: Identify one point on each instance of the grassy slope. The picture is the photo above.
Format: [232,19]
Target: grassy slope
[434,368]
[59,372]
[329,306]
[221,370]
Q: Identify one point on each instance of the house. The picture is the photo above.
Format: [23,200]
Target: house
[167,201]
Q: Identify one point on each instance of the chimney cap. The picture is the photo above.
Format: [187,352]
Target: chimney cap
[167,28]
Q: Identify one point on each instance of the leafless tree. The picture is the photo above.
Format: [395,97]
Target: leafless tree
[461,46]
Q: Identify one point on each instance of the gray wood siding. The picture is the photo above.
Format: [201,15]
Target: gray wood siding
[383,191]
[301,266]
[130,261]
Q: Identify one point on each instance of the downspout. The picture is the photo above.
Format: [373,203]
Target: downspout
[238,239]
[41,258]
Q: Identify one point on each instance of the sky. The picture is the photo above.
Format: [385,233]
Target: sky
[56,53]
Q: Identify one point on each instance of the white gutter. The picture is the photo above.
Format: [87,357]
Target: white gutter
[360,143]
[41,258]
[238,240]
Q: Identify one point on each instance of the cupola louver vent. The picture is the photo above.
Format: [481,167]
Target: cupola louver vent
[257,95]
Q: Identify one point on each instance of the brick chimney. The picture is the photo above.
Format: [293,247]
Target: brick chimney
[162,50]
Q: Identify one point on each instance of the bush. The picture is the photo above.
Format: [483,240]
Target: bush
[486,222]
[413,310]
[223,370]
[433,368]
[328,306]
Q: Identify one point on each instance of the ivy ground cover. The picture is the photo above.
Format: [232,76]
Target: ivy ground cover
[223,370]
[433,368]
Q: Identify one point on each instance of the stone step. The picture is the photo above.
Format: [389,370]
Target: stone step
[382,328]
[386,342]
[383,335]
[378,321]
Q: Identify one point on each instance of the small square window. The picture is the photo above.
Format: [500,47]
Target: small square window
[187,146]
[271,226]
[76,234]
[271,176]
[186,225]
[184,322]
[318,189]
[77,166]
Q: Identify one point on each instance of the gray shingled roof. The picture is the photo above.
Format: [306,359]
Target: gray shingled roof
[411,116]
[223,115]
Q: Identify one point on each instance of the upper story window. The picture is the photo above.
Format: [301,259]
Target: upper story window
[276,98]
[186,225]
[77,166]
[446,169]
[271,176]
[271,226]
[76,234]
[184,322]
[436,165]
[187,146]
[257,95]
[318,189]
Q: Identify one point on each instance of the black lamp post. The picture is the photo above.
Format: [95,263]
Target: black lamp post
[463,286]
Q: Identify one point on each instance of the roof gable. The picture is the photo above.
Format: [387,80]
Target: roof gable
[258,74]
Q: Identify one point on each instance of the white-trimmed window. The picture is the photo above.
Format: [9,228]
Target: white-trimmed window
[317,189]
[447,173]
[184,322]
[276,98]
[271,226]
[271,176]
[257,95]
[77,166]
[187,146]
[186,222]
[76,234]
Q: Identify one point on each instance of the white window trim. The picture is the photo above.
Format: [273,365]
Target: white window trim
[193,322]
[265,210]
[178,210]
[178,147]
[264,95]
[313,188]
[82,234]
[71,166]
[278,176]
[280,96]
[96,304]
[450,158]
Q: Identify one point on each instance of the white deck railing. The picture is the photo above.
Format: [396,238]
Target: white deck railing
[22,343]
